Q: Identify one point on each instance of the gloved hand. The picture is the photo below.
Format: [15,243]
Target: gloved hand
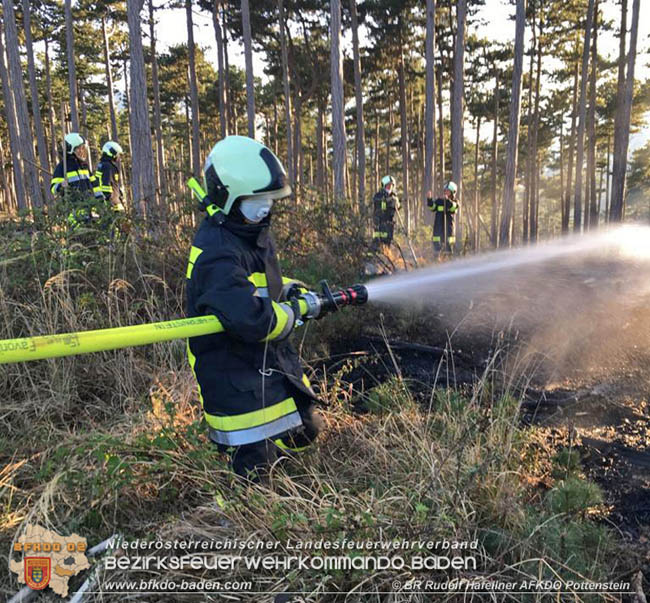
[292,290]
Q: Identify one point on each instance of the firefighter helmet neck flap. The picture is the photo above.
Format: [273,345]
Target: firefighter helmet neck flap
[240,169]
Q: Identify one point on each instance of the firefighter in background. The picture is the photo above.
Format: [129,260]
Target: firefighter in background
[444,209]
[107,177]
[72,171]
[257,401]
[385,204]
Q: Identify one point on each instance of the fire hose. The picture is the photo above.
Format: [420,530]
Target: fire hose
[310,305]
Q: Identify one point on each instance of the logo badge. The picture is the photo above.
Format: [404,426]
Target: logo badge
[37,572]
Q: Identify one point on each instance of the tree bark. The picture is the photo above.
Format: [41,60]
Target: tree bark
[457,103]
[361,129]
[14,132]
[338,106]
[72,71]
[157,115]
[494,233]
[534,206]
[513,130]
[248,55]
[622,125]
[582,114]
[430,98]
[287,89]
[142,177]
[591,128]
[441,128]
[404,136]
[109,79]
[194,93]
[572,146]
[476,234]
[36,107]
[31,176]
[221,88]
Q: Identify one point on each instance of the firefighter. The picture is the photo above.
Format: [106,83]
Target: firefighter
[107,177]
[385,204]
[257,401]
[444,209]
[73,171]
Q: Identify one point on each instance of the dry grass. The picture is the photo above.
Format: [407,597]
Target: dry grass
[113,442]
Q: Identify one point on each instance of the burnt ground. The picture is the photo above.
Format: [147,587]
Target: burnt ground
[604,414]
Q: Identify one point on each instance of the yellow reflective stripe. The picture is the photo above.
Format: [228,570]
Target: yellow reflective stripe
[305,380]
[302,304]
[258,279]
[451,239]
[105,188]
[192,358]
[379,234]
[436,239]
[195,252]
[280,444]
[212,209]
[251,419]
[281,319]
[57,180]
[440,208]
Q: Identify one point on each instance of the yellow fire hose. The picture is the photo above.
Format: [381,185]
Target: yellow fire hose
[84,342]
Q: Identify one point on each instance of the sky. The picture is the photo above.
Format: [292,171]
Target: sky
[494,22]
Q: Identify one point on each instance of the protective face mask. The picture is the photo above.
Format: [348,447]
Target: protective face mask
[255,210]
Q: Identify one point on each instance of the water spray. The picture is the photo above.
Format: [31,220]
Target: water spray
[311,305]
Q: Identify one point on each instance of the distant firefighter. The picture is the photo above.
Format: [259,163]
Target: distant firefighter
[385,204]
[444,209]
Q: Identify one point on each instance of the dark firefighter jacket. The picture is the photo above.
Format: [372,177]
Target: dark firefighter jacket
[78,176]
[443,225]
[249,376]
[385,205]
[107,183]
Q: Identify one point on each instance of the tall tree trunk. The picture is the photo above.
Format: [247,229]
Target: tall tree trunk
[534,207]
[142,178]
[457,102]
[528,173]
[320,163]
[72,71]
[608,179]
[36,107]
[127,99]
[230,108]
[338,103]
[221,88]
[109,76]
[297,141]
[404,135]
[157,115]
[457,108]
[14,131]
[582,114]
[562,157]
[572,147]
[622,125]
[476,235]
[441,127]
[31,176]
[50,101]
[494,233]
[591,127]
[287,89]
[430,98]
[194,93]
[248,54]
[361,129]
[513,130]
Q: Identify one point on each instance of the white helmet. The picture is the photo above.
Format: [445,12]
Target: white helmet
[386,180]
[112,149]
[239,168]
[73,141]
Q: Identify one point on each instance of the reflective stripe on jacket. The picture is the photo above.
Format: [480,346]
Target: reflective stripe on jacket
[78,176]
[107,183]
[248,376]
